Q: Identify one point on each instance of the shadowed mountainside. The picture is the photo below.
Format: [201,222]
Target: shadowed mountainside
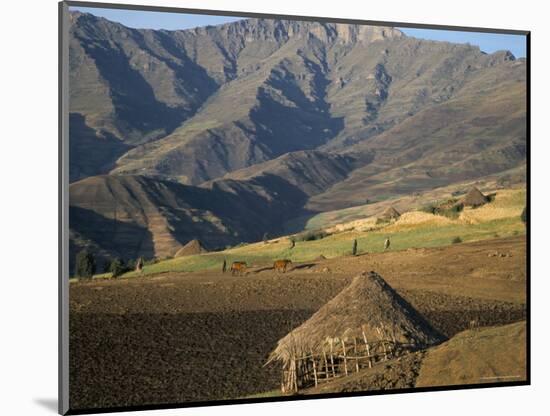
[132,215]
[223,133]
[199,103]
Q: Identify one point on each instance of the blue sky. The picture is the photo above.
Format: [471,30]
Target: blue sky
[157,20]
[488,42]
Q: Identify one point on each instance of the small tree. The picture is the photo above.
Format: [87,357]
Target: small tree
[429,208]
[524,215]
[85,264]
[139,264]
[117,267]
[354,249]
[130,264]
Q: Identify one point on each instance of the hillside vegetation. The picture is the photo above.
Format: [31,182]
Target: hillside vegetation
[226,133]
[500,218]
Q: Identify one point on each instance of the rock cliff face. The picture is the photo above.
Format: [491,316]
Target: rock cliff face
[193,105]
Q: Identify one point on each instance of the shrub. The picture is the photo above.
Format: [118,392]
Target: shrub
[117,267]
[456,240]
[354,249]
[130,264]
[451,212]
[311,235]
[449,208]
[148,262]
[524,215]
[429,208]
[85,264]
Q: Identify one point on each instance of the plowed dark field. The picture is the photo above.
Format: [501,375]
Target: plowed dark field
[205,336]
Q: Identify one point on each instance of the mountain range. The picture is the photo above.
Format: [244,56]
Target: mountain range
[225,133]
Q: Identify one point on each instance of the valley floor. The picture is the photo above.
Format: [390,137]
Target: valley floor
[199,336]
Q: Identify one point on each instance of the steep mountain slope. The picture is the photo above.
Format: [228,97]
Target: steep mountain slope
[128,85]
[315,90]
[130,215]
[224,133]
[203,102]
[310,171]
[479,132]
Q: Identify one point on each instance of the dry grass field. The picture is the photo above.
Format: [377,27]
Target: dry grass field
[413,230]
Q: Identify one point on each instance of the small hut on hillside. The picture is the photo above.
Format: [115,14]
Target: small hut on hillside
[191,248]
[390,214]
[366,323]
[474,198]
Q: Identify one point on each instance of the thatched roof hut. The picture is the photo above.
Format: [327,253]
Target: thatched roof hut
[390,214]
[367,312]
[474,198]
[191,248]
[366,306]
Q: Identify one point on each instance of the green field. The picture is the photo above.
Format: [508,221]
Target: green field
[498,219]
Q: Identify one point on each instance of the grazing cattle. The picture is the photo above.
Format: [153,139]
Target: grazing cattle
[238,267]
[281,265]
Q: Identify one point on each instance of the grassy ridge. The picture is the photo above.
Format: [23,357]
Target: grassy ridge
[341,244]
[473,225]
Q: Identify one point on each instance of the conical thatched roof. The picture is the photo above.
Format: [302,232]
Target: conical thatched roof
[390,214]
[474,198]
[192,247]
[367,306]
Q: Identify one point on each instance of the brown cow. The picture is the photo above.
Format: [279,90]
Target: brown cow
[281,265]
[238,267]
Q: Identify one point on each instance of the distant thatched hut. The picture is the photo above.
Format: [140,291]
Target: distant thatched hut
[366,323]
[191,248]
[390,214]
[474,198]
